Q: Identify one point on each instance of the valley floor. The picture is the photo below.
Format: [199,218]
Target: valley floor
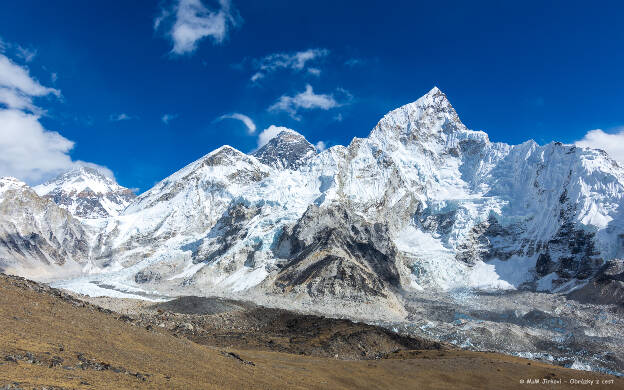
[52,339]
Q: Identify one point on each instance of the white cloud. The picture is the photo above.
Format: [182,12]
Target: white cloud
[32,153]
[13,99]
[120,117]
[26,54]
[28,151]
[314,71]
[352,62]
[269,133]
[304,100]
[193,22]
[168,118]
[17,79]
[257,76]
[295,61]
[164,14]
[613,144]
[320,146]
[18,88]
[251,126]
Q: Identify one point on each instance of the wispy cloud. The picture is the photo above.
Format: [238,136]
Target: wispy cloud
[168,118]
[18,88]
[121,117]
[314,71]
[296,61]
[189,21]
[251,126]
[28,150]
[26,54]
[320,146]
[353,62]
[612,143]
[307,100]
[269,133]
[257,76]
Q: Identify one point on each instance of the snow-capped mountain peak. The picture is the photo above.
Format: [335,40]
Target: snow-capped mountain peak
[287,150]
[429,123]
[10,183]
[87,193]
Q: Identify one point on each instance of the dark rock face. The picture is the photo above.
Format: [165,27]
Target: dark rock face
[331,251]
[606,287]
[572,248]
[147,276]
[544,265]
[612,270]
[440,223]
[478,245]
[288,150]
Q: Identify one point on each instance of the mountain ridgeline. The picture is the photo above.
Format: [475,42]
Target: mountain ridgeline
[421,203]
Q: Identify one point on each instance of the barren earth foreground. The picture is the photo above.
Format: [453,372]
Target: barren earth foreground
[51,340]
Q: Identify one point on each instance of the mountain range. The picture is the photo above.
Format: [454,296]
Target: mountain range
[422,203]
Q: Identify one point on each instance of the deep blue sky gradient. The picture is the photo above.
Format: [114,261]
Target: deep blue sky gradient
[542,70]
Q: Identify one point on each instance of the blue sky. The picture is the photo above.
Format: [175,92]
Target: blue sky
[328,69]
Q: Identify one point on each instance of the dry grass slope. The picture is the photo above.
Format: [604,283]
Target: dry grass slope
[49,339]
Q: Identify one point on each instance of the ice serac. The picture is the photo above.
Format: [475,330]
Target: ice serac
[287,150]
[87,193]
[38,239]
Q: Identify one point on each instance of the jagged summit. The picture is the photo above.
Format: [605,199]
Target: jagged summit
[87,193]
[429,123]
[435,100]
[434,96]
[287,150]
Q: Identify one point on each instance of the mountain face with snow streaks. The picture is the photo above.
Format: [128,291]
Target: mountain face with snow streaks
[38,238]
[87,193]
[421,203]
